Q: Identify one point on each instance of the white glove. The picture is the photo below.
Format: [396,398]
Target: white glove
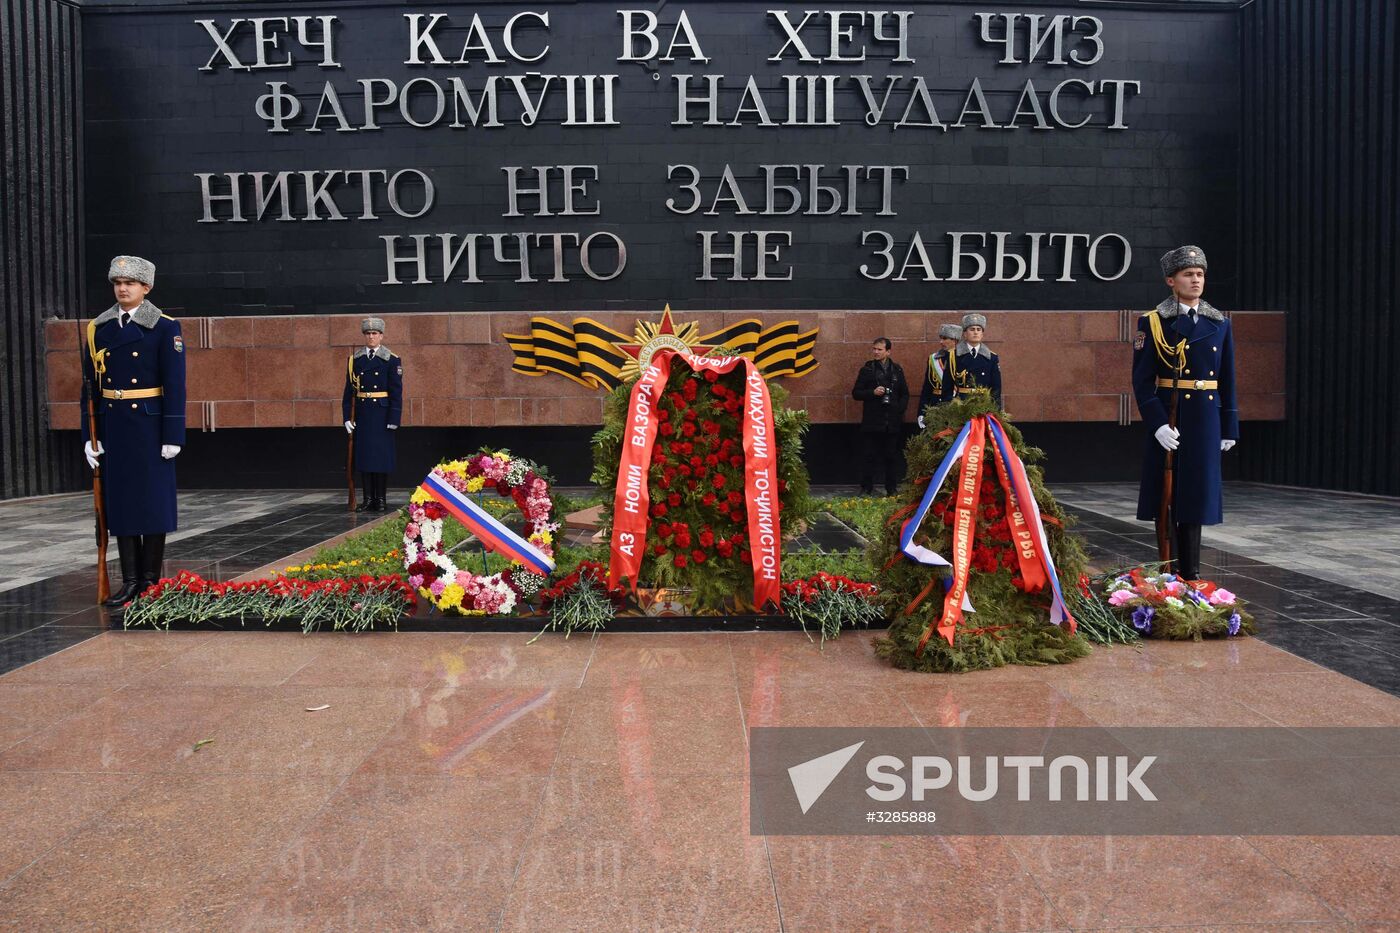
[349,427]
[921,422]
[1168,436]
[392,427]
[1226,444]
[92,453]
[168,451]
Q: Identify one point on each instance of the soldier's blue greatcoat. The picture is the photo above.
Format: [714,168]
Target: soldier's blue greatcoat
[1204,415]
[148,353]
[968,372]
[378,374]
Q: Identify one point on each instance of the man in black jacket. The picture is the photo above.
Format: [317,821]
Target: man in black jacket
[881,385]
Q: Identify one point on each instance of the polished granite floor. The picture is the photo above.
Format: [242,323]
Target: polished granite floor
[177,781]
[180,781]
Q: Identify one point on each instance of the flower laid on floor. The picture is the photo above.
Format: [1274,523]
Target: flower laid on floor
[581,601]
[1097,614]
[1163,606]
[829,602]
[344,604]
[391,556]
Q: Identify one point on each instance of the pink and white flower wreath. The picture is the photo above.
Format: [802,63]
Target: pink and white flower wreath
[436,576]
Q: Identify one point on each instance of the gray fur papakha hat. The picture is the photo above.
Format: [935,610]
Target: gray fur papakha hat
[1183,257]
[372,323]
[975,320]
[132,267]
[950,331]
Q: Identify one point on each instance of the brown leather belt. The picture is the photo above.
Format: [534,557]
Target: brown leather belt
[1187,383]
[133,393]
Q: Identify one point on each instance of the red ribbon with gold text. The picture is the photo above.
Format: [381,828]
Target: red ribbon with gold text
[1027,552]
[632,501]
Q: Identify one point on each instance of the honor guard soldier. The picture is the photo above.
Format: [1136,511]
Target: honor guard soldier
[134,372]
[972,365]
[932,392]
[1184,381]
[372,405]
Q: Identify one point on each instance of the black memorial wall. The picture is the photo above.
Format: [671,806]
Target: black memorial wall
[973,134]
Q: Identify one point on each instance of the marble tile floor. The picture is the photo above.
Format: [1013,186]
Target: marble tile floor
[1313,612]
[229,535]
[176,781]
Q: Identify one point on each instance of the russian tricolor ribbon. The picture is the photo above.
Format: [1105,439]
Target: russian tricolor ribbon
[490,531]
[979,436]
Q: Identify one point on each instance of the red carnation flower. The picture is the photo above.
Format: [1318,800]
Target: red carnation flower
[735,497]
[688,429]
[691,414]
[690,484]
[712,460]
[687,448]
[678,560]
[684,469]
[745,557]
[708,499]
[697,556]
[682,539]
[658,510]
[666,429]
[664,530]
[736,517]
[719,481]
[707,538]
[663,415]
[710,427]
[731,406]
[658,549]
[736,461]
[674,499]
[711,376]
[725,549]
[689,390]
[677,401]
[695,463]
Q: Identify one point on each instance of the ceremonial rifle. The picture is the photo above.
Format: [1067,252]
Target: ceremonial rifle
[104,585]
[350,437]
[1164,509]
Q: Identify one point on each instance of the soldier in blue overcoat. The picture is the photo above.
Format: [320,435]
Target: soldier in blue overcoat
[1184,350]
[372,406]
[932,392]
[134,370]
[972,365]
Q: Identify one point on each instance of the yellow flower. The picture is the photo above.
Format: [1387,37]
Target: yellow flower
[475,483]
[419,496]
[451,597]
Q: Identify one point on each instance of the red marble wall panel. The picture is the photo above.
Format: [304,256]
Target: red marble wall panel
[290,371]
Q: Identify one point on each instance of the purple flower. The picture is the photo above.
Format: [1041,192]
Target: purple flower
[1142,619]
[1234,625]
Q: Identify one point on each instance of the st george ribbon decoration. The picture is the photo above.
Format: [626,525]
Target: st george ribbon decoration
[981,435]
[490,531]
[632,500]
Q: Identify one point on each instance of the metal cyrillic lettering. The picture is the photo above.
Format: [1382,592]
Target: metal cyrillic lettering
[1095,38]
[461,98]
[393,190]
[956,274]
[277,106]
[522,257]
[1055,102]
[1094,257]
[692,186]
[329,96]
[508,36]
[406,102]
[1000,258]
[887,252]
[419,259]
[586,261]
[372,104]
[684,100]
[234,197]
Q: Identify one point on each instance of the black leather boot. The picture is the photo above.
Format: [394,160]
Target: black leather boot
[152,559]
[129,555]
[382,490]
[366,479]
[1188,552]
